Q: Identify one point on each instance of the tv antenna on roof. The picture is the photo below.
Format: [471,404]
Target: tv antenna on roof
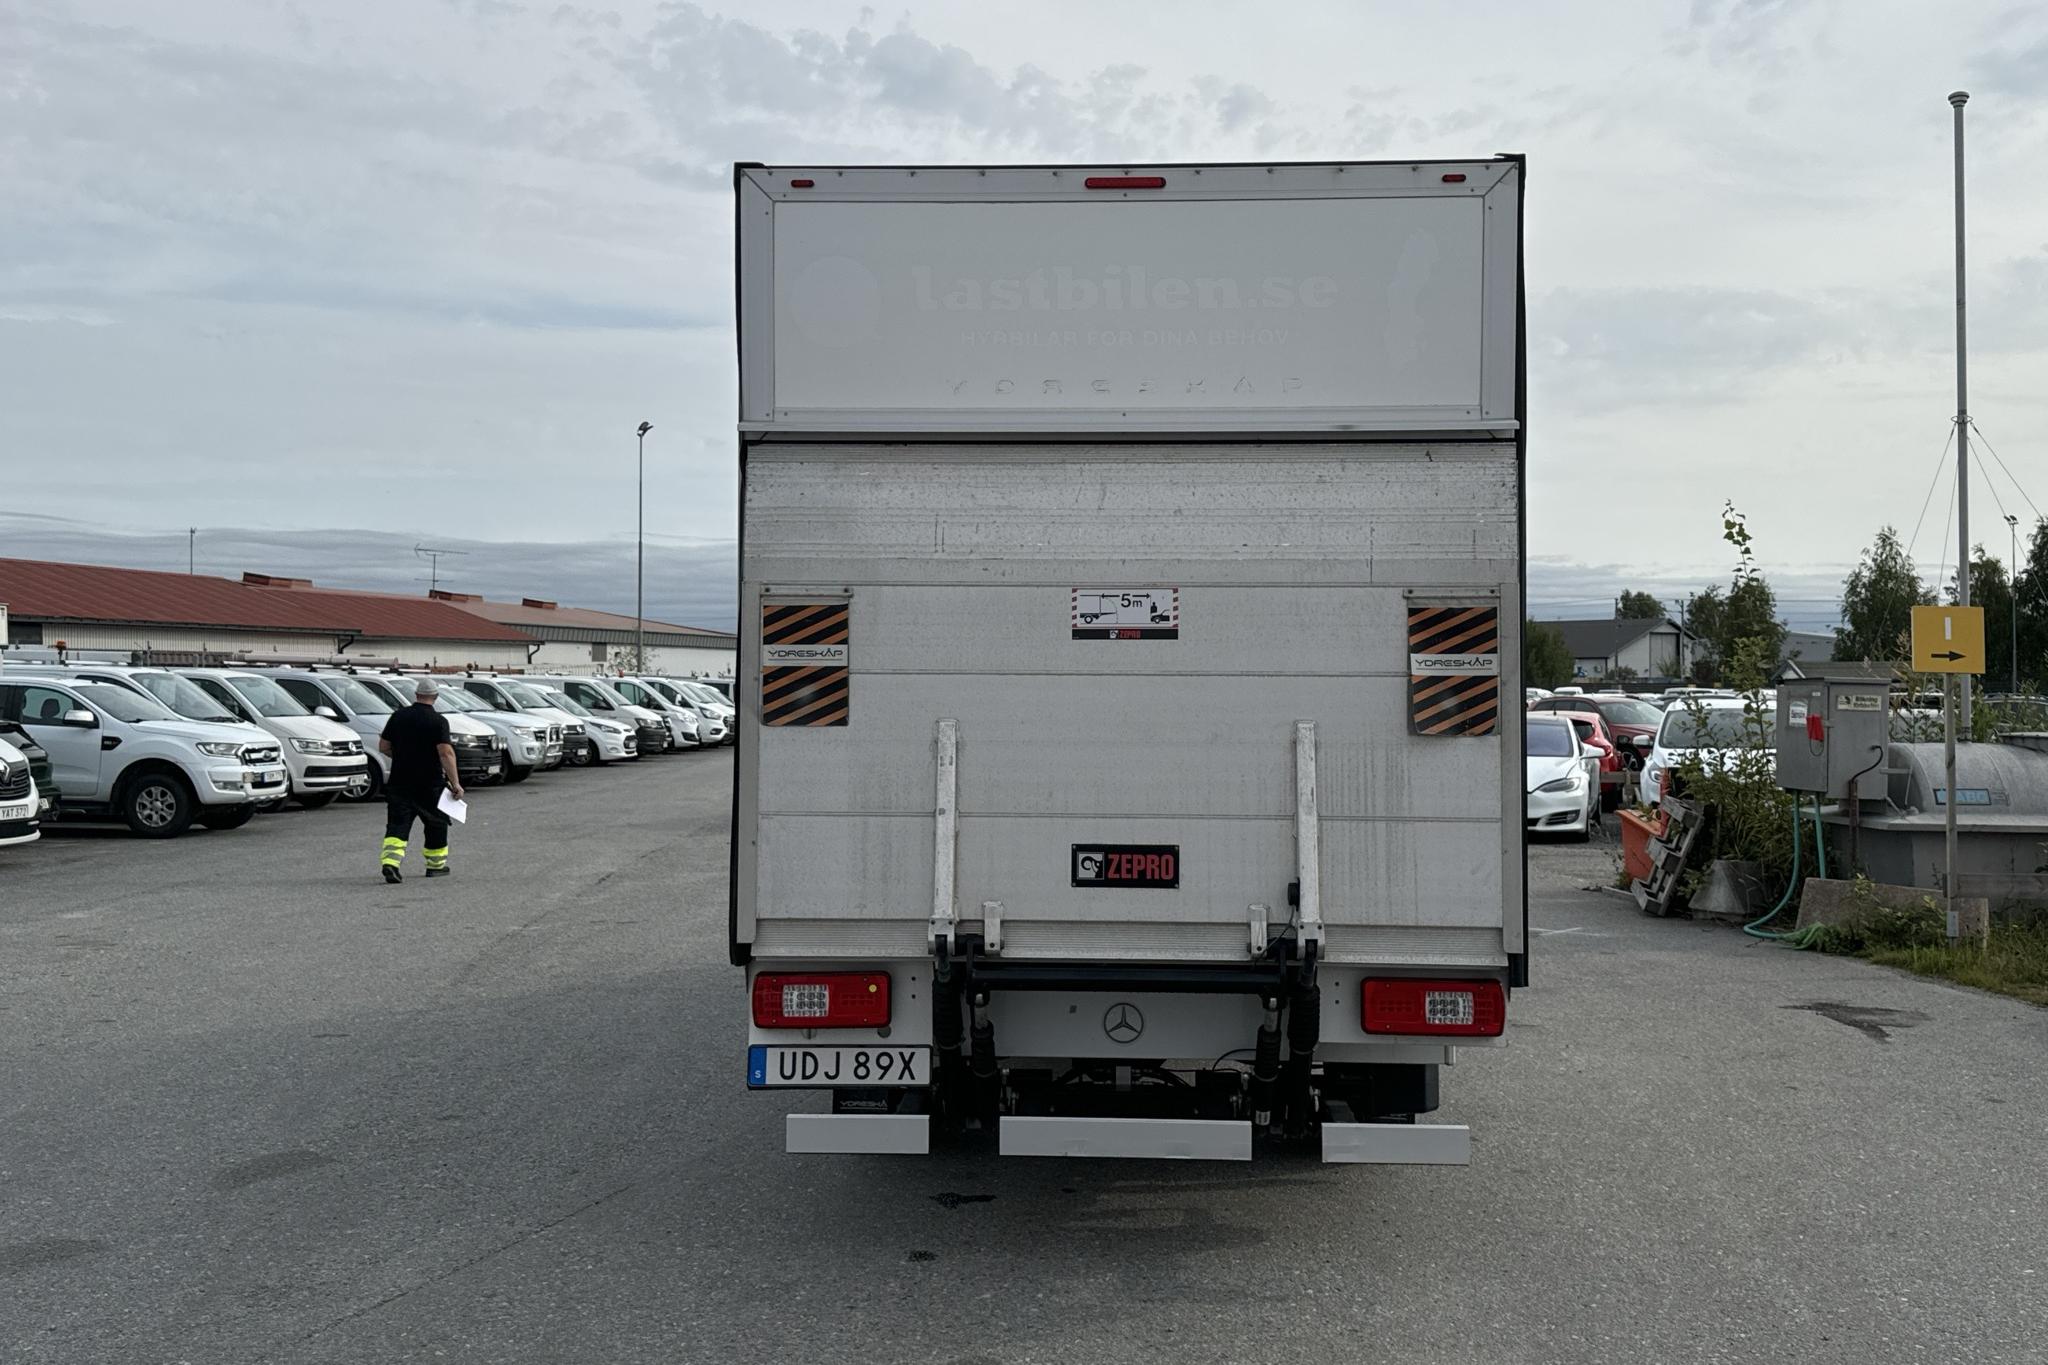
[432,555]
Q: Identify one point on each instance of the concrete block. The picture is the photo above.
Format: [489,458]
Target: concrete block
[1734,893]
[1827,900]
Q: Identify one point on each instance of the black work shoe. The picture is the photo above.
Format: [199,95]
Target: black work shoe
[437,872]
[392,874]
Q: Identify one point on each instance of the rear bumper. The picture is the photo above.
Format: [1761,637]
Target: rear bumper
[1387,1144]
[1153,1139]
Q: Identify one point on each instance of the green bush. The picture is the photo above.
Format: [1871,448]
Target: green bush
[1749,817]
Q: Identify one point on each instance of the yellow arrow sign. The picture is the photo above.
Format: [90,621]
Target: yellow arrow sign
[1948,639]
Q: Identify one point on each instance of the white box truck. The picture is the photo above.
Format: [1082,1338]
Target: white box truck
[1130,591]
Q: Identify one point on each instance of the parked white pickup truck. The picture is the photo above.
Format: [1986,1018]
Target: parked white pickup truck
[1130,588]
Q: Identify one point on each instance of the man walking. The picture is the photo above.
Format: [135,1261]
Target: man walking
[422,764]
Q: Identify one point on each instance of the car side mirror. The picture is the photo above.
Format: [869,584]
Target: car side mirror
[1646,742]
[326,713]
[82,718]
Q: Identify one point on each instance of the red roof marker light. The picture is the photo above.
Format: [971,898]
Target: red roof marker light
[801,184]
[1125,182]
[1455,178]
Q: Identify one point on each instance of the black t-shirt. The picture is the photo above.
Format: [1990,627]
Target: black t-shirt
[416,733]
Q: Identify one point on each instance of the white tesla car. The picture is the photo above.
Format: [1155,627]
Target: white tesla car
[1561,780]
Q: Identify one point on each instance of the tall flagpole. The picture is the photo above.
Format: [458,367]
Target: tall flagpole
[1956,705]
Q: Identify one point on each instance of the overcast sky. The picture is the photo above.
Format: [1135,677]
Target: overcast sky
[330,280]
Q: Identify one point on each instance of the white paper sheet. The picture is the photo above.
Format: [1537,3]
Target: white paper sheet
[455,810]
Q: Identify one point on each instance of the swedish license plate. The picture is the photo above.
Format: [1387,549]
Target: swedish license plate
[826,1068]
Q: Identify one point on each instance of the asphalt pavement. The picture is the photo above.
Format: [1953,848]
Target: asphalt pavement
[257,1106]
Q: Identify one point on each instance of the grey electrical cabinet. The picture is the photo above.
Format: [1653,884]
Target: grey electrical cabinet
[1830,730]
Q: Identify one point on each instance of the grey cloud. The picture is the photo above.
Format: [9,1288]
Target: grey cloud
[729,89]
[1617,347]
[1641,346]
[2017,65]
[156,168]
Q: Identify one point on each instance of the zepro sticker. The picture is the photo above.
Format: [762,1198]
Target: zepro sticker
[1127,613]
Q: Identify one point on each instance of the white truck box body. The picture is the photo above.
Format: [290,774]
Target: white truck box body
[1295,564]
[1348,298]
[1276,407]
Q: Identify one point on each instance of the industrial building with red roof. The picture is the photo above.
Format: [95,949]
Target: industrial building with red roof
[97,607]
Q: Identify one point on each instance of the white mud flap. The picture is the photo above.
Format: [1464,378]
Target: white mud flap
[860,1134]
[1398,1144]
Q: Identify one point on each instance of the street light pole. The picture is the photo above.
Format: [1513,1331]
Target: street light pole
[640,561]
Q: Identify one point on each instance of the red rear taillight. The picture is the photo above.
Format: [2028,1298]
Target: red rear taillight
[1125,182]
[1471,1009]
[821,1000]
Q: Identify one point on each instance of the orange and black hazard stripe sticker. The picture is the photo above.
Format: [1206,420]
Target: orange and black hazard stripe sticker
[804,663]
[1453,670]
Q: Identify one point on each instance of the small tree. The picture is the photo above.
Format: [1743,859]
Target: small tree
[1878,598]
[1546,659]
[1638,606]
[1702,615]
[1992,590]
[1751,634]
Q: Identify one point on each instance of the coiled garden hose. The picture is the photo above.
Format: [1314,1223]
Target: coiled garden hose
[1798,938]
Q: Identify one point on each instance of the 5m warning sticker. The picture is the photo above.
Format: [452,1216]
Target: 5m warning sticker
[804,662]
[1127,613]
[1453,670]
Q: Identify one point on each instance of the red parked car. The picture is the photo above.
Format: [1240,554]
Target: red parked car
[1595,734]
[1633,723]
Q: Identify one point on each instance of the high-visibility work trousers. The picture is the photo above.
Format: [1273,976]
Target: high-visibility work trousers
[399,813]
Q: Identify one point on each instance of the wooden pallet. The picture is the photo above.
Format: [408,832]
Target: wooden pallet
[1658,893]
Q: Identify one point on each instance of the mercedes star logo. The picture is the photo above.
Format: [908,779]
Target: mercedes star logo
[1123,1023]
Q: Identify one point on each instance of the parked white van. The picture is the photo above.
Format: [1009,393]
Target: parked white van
[602,698]
[337,696]
[325,757]
[479,750]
